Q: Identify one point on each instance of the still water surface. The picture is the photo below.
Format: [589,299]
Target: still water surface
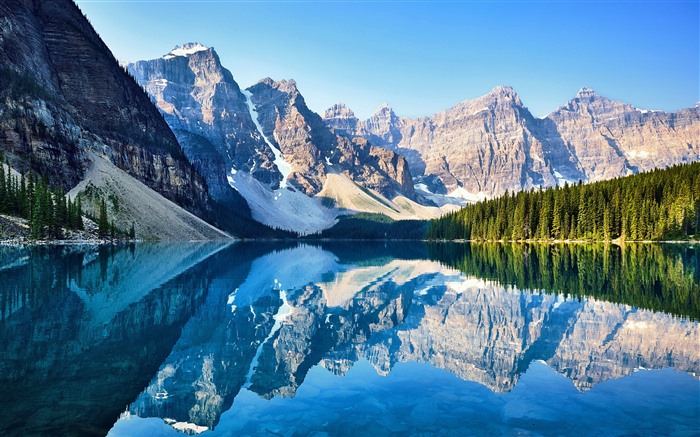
[350,339]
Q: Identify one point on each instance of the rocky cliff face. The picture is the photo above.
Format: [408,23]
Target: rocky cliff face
[262,139]
[63,94]
[484,146]
[312,149]
[609,138]
[208,113]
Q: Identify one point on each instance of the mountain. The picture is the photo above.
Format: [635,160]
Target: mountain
[68,111]
[482,147]
[294,172]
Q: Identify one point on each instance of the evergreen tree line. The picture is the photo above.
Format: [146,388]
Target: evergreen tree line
[48,210]
[660,204]
[656,277]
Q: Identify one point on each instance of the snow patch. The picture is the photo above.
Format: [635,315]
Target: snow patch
[182,51]
[481,110]
[637,325]
[423,187]
[461,193]
[561,180]
[186,427]
[284,311]
[647,111]
[468,283]
[638,154]
[284,167]
[439,199]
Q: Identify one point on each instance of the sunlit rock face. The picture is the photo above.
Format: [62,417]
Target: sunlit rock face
[303,307]
[484,146]
[266,130]
[611,138]
[206,109]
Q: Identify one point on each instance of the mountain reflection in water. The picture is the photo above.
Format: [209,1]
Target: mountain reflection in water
[349,338]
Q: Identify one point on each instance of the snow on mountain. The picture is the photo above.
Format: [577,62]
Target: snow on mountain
[186,49]
[284,167]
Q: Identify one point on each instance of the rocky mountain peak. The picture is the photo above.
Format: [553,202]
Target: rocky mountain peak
[205,107]
[503,90]
[503,93]
[286,86]
[339,110]
[384,111]
[341,118]
[586,94]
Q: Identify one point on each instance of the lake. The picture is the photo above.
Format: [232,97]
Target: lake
[350,338]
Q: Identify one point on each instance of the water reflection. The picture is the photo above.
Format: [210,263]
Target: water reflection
[83,329]
[256,338]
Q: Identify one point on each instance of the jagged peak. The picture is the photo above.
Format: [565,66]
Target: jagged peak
[186,49]
[283,85]
[266,80]
[586,92]
[384,110]
[503,92]
[339,110]
[503,89]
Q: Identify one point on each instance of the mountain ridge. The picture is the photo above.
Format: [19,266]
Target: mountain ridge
[484,146]
[268,145]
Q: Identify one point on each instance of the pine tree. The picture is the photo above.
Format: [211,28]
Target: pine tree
[3,188]
[79,214]
[103,222]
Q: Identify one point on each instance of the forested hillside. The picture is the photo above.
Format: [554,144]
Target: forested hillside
[47,210]
[661,204]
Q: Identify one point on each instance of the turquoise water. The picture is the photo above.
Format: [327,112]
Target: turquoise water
[349,339]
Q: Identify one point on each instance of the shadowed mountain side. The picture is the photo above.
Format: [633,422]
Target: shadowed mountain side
[64,94]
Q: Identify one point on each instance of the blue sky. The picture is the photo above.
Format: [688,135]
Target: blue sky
[422,57]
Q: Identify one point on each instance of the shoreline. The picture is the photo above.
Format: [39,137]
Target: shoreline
[104,242]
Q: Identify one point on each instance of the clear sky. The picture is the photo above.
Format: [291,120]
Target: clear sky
[425,56]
